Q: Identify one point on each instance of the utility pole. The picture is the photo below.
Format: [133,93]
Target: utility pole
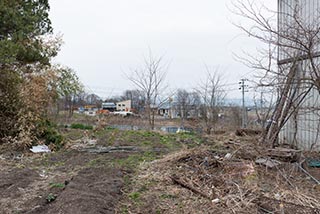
[261,100]
[243,88]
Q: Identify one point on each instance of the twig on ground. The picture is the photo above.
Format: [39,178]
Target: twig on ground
[188,186]
[307,173]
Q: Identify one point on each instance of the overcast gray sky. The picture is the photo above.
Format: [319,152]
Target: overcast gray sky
[105,38]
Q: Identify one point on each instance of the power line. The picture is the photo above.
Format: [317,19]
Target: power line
[105,91]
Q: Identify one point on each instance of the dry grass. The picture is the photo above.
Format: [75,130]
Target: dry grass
[201,180]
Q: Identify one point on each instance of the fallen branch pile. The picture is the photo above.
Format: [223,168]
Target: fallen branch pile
[229,180]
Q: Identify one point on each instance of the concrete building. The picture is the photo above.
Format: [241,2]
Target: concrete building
[124,105]
[294,17]
[111,107]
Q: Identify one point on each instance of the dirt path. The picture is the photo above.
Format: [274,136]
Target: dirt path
[71,180]
[74,180]
[93,190]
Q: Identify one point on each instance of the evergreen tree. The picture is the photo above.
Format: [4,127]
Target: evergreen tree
[23,24]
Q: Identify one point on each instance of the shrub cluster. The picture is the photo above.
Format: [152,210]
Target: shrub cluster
[81,126]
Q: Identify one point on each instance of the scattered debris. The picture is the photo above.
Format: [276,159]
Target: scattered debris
[102,149]
[215,201]
[40,149]
[284,154]
[233,178]
[248,132]
[267,205]
[268,162]
[185,184]
[92,142]
[231,141]
[313,163]
[43,174]
[307,173]
[228,156]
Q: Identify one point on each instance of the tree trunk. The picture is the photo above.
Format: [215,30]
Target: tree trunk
[281,111]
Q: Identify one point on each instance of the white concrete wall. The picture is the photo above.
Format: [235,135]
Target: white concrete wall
[124,105]
[302,129]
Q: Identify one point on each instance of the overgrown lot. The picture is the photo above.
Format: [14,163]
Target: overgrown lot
[224,177]
[113,171]
[78,179]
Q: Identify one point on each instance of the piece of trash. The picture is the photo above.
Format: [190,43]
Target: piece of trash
[205,162]
[43,174]
[40,149]
[92,142]
[277,196]
[228,156]
[215,201]
[268,162]
[314,163]
[101,149]
[308,174]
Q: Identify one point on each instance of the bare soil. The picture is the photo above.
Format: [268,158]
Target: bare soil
[69,180]
[93,190]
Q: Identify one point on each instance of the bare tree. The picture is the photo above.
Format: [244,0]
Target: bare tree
[195,104]
[93,99]
[236,116]
[69,87]
[212,95]
[183,104]
[187,104]
[290,61]
[150,80]
[264,105]
[137,99]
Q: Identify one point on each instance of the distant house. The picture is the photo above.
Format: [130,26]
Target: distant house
[109,106]
[90,113]
[164,111]
[123,105]
[168,110]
